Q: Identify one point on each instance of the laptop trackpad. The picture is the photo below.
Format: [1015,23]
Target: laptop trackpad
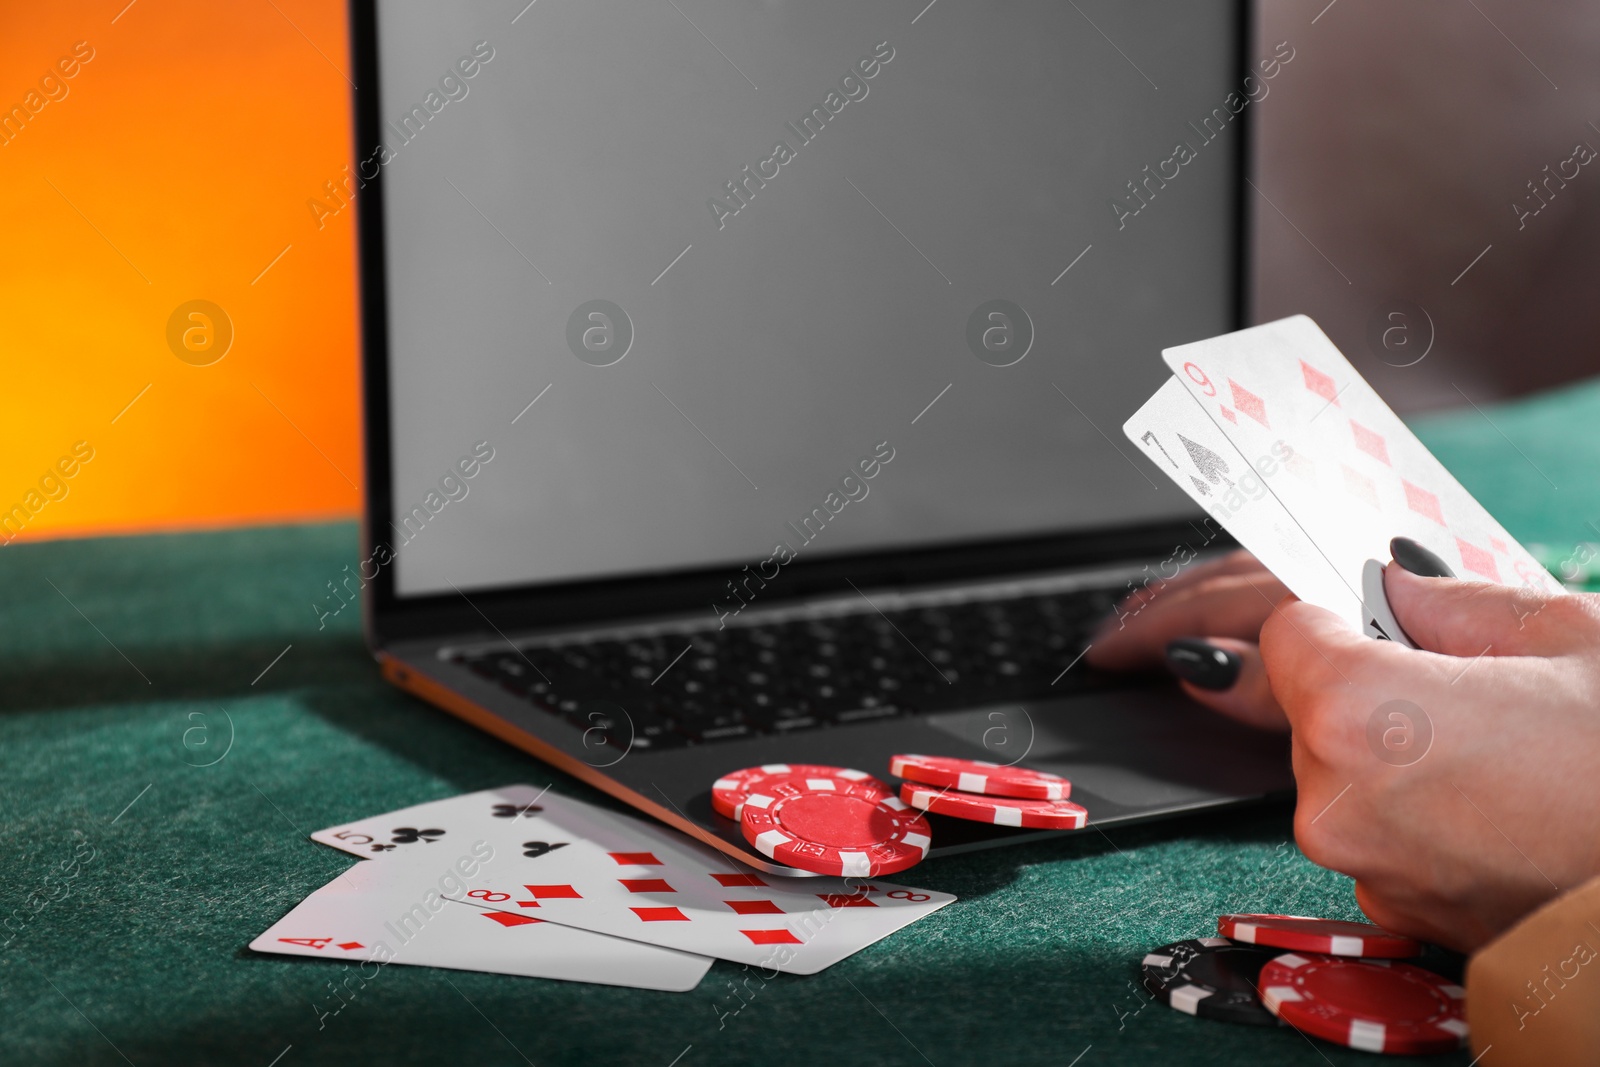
[1129,752]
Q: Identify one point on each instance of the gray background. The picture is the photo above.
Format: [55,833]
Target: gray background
[807,329]
[1393,147]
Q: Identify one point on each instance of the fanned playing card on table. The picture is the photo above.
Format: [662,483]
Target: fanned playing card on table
[497,815]
[587,867]
[621,876]
[416,910]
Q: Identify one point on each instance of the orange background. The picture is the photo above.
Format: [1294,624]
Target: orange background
[181,159]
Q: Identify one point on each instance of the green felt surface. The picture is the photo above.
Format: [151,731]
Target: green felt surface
[110,650]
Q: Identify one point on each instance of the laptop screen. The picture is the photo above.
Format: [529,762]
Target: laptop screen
[714,282]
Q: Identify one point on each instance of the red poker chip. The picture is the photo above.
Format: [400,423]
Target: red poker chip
[980,776]
[728,793]
[1302,933]
[1001,811]
[1373,1005]
[834,826]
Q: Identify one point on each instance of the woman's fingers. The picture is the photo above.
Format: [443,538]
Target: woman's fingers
[1236,562]
[1226,600]
[1226,675]
[1230,602]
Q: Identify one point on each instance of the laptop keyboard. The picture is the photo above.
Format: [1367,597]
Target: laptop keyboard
[669,689]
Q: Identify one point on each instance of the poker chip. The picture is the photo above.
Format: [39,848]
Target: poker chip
[728,793]
[1302,933]
[1373,1005]
[1002,811]
[1211,977]
[834,826]
[980,776]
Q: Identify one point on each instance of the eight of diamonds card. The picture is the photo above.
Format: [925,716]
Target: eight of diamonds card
[620,876]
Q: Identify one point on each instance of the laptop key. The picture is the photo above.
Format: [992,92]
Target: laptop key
[781,718]
[720,729]
[647,728]
[868,713]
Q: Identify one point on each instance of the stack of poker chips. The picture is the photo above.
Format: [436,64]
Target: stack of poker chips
[839,821]
[823,819]
[1341,981]
[980,791]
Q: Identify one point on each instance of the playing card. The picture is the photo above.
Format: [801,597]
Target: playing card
[1380,619]
[511,817]
[1180,438]
[1359,476]
[590,868]
[492,814]
[416,910]
[616,875]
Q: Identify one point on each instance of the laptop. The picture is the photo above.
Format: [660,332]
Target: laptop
[742,382]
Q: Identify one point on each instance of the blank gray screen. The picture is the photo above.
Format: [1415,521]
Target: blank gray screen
[787,319]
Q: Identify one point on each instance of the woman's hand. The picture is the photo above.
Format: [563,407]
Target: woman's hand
[1203,625]
[1459,783]
[1459,786]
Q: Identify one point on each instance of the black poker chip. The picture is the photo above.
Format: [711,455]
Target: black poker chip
[1211,977]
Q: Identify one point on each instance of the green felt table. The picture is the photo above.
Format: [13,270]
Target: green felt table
[132,880]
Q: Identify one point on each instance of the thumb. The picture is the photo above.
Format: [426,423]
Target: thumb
[1310,652]
[1459,618]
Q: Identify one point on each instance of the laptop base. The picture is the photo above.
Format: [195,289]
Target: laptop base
[1132,755]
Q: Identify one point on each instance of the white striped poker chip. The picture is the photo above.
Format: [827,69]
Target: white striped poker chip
[1001,811]
[980,776]
[834,826]
[1331,937]
[1374,1005]
[728,793]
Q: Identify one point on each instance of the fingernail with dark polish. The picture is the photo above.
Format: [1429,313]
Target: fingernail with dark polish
[1418,560]
[1202,663]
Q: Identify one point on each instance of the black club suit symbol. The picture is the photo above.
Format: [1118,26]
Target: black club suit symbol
[511,811]
[406,835]
[380,847]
